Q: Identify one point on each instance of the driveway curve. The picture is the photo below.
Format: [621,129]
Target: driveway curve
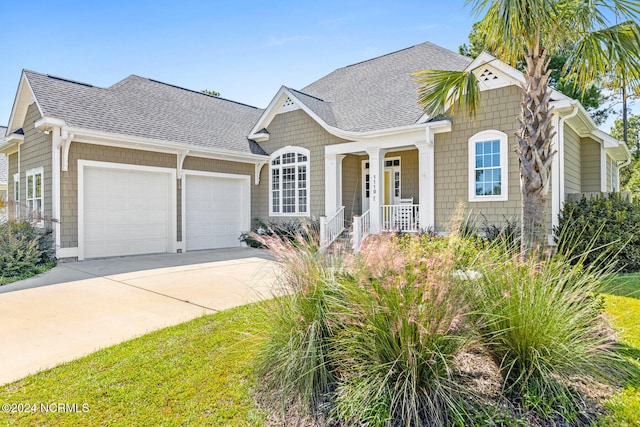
[79,307]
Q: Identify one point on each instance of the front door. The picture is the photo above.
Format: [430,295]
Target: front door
[392,182]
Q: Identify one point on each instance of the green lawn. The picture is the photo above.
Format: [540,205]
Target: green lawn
[200,373]
[197,373]
[623,307]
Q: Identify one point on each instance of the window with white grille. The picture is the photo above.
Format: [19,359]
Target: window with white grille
[289,172]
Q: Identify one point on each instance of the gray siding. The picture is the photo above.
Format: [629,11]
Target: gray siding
[295,128]
[352,186]
[499,111]
[35,152]
[13,169]
[69,179]
[590,159]
[572,162]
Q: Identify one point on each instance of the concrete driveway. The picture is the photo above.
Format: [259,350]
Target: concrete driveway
[79,307]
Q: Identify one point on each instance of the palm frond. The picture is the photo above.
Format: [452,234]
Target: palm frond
[625,9]
[441,90]
[613,50]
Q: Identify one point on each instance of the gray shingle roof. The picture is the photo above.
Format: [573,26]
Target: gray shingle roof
[379,93]
[147,108]
[4,168]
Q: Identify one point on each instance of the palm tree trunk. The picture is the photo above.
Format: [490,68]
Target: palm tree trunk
[534,151]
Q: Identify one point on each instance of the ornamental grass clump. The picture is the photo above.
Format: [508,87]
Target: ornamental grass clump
[402,321]
[295,361]
[542,326]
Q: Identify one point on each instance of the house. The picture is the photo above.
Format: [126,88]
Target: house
[147,167]
[3,168]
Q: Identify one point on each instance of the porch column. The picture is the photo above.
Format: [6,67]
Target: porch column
[426,182]
[332,183]
[376,187]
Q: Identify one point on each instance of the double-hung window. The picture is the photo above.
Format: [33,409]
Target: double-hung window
[488,159]
[35,196]
[289,182]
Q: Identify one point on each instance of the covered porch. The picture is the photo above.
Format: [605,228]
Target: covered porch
[378,186]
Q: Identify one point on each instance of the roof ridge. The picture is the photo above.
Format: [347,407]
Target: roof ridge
[306,94]
[198,92]
[64,79]
[380,56]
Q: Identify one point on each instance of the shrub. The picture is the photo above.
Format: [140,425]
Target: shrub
[605,224]
[507,233]
[402,322]
[23,247]
[287,230]
[539,322]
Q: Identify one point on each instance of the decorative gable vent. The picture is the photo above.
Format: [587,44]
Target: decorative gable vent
[488,75]
[287,105]
[491,78]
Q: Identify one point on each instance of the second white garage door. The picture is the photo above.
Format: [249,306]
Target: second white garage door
[216,210]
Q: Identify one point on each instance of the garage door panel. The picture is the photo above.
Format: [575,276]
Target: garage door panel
[126,212]
[215,211]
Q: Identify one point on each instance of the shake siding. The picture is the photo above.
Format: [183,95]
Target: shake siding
[294,128]
[590,159]
[69,179]
[352,186]
[609,172]
[572,162]
[12,163]
[499,110]
[35,152]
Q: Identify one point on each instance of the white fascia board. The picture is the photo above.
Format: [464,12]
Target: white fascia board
[284,92]
[9,144]
[410,137]
[269,113]
[616,149]
[149,144]
[23,86]
[49,121]
[516,77]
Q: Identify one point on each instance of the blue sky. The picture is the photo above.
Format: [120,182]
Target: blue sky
[244,49]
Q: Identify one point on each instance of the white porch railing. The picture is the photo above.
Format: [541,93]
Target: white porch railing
[361,229]
[330,228]
[403,217]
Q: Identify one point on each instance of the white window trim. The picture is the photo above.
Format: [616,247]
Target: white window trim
[277,153]
[34,172]
[16,195]
[489,135]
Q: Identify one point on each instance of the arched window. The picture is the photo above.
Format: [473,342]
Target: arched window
[289,182]
[488,159]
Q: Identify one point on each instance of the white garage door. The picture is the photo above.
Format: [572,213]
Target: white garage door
[216,211]
[126,212]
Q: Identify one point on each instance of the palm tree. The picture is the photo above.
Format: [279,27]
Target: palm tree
[527,33]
